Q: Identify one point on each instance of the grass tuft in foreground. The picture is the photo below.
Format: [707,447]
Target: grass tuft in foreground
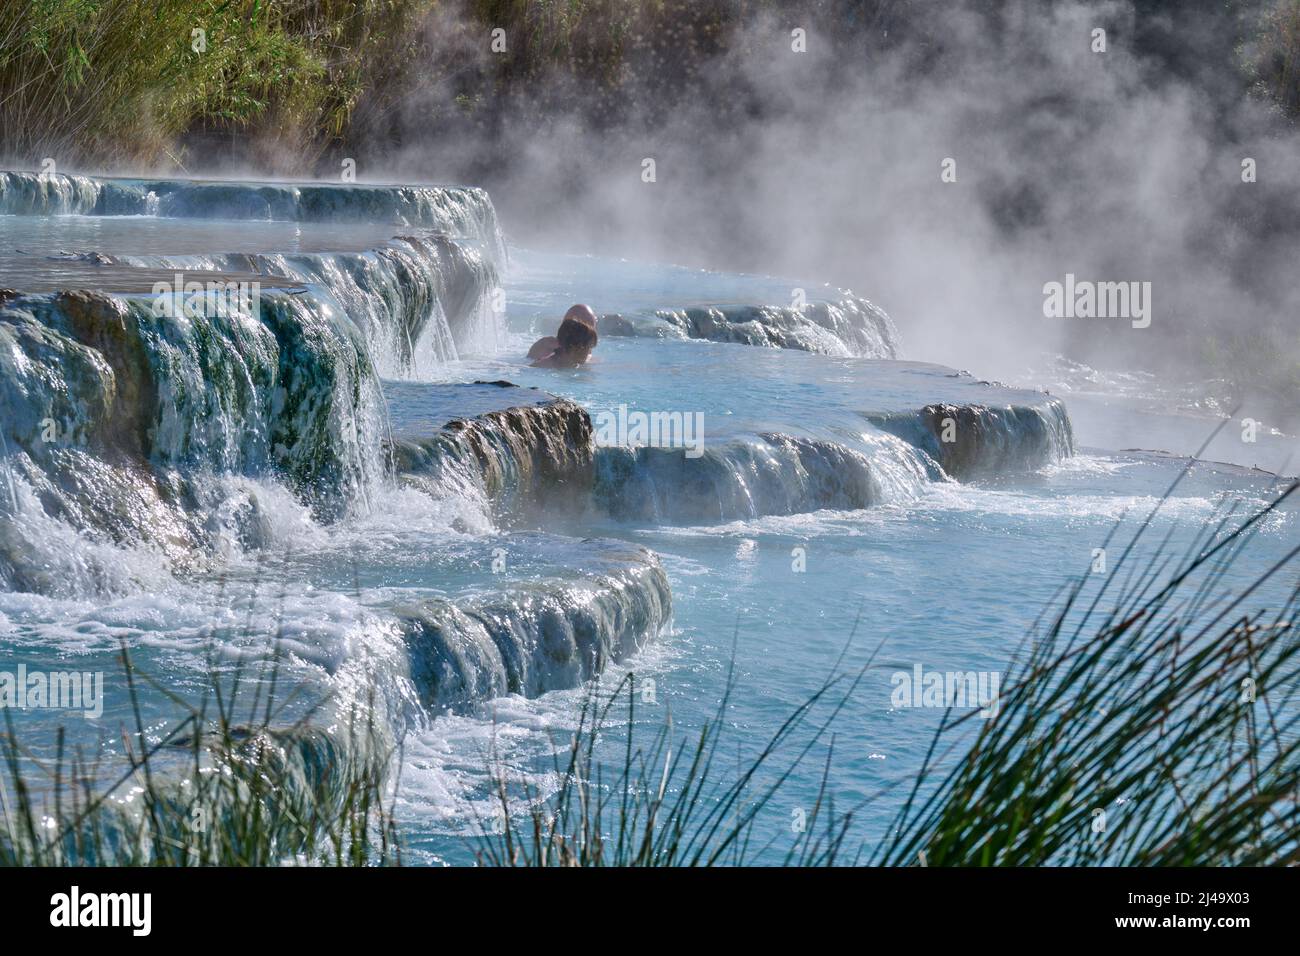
[667,804]
[233,783]
[1152,722]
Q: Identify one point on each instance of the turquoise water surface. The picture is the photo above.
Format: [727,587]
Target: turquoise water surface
[824,527]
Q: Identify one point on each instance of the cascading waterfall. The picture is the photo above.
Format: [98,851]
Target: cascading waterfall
[420,301]
[973,441]
[540,459]
[115,416]
[546,635]
[778,474]
[47,194]
[150,437]
[156,451]
[775,474]
[460,211]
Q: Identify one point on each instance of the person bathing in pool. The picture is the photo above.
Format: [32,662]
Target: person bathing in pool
[571,345]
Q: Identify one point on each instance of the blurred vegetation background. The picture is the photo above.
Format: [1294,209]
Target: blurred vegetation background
[121,82]
[285,81]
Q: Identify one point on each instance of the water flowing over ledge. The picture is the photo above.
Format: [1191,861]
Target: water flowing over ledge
[538,636]
[520,462]
[536,457]
[849,325]
[297,474]
[776,475]
[122,424]
[780,474]
[166,453]
[984,440]
[420,300]
[129,426]
[461,211]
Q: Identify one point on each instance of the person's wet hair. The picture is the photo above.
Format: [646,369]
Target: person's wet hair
[576,333]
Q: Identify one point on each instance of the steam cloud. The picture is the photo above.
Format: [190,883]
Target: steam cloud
[824,165]
[1120,166]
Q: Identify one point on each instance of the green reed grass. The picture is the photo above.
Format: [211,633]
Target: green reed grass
[232,783]
[1149,719]
[112,81]
[1151,722]
[668,803]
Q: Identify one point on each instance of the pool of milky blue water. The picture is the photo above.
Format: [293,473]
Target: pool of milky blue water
[946,574]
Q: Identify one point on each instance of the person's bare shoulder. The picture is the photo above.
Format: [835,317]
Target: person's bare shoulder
[543,347]
[559,359]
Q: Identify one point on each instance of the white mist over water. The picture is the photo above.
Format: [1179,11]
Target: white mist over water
[1123,165]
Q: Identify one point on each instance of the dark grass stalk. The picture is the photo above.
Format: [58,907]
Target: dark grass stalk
[666,805]
[1128,701]
[213,791]
[1144,719]
[1132,705]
